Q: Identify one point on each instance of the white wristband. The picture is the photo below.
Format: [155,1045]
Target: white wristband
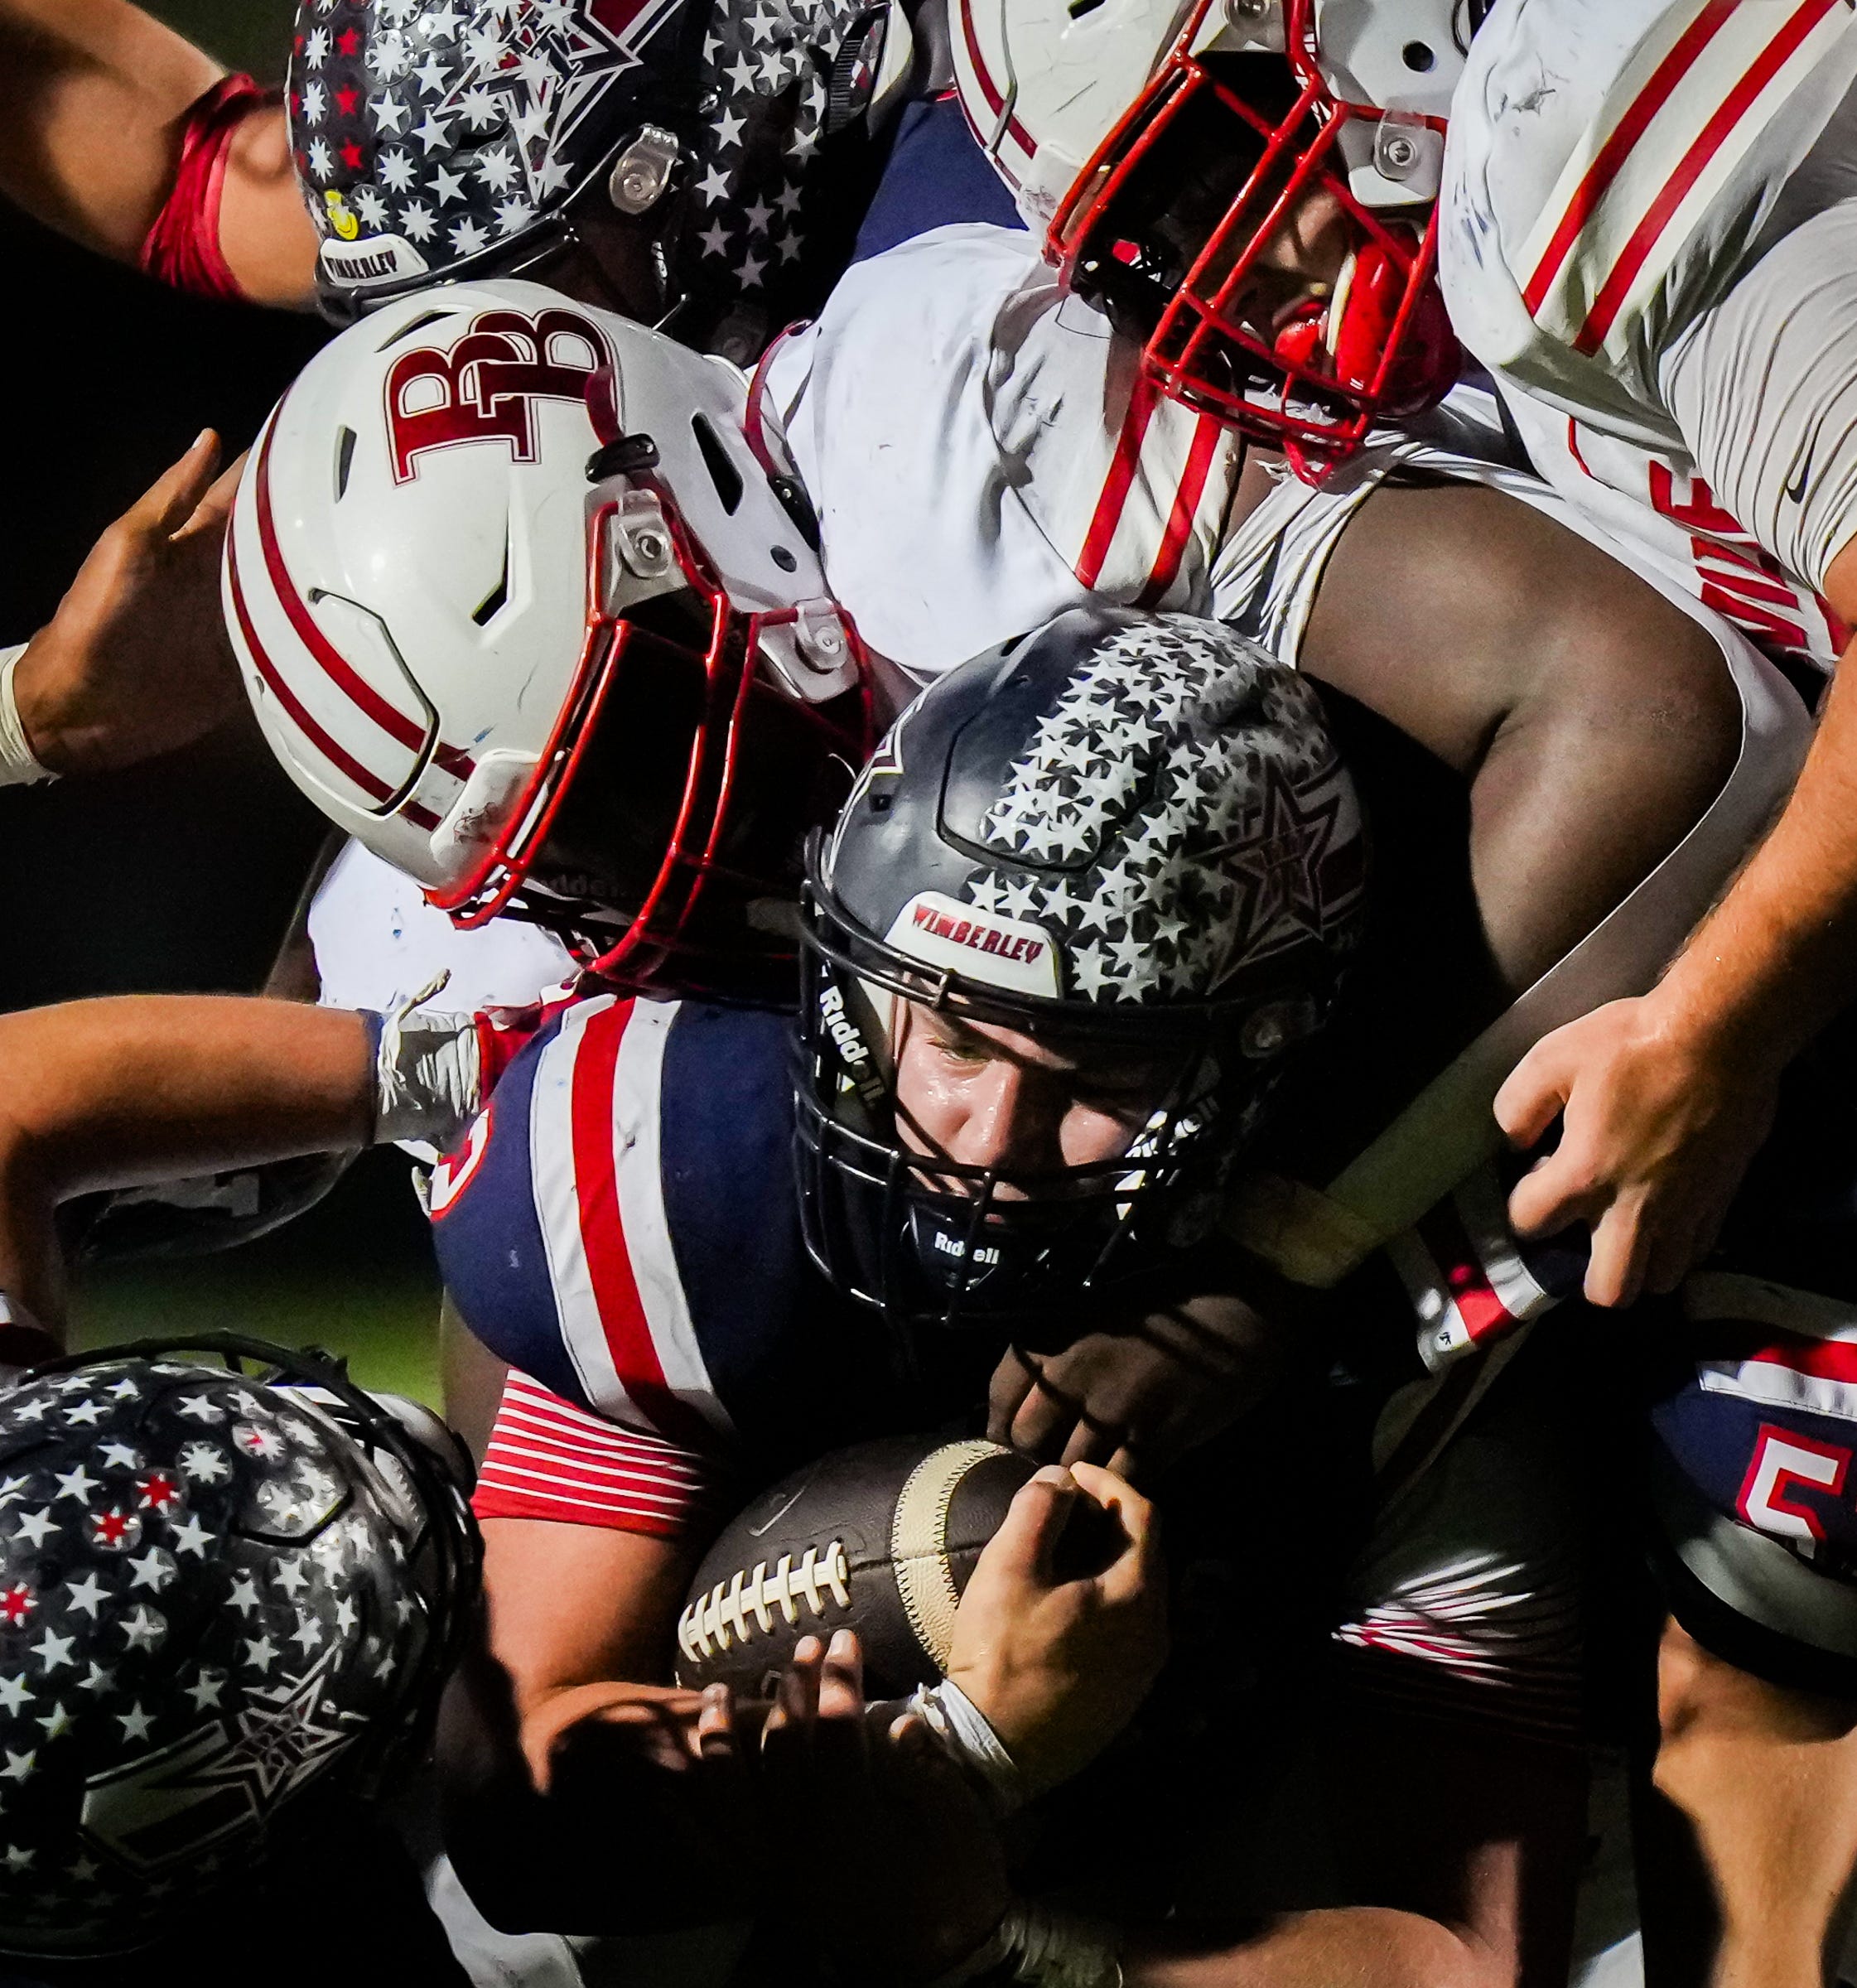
[18,765]
[1055,1951]
[428,1074]
[1043,1949]
[962,1727]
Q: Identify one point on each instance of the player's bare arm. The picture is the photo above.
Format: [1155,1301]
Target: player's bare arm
[136,662]
[94,97]
[120,1092]
[1456,1844]
[1665,1098]
[566,1706]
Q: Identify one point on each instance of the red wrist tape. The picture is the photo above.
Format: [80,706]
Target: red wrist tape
[182,248]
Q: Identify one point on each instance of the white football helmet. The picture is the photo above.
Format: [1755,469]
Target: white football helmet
[1106,117]
[526,600]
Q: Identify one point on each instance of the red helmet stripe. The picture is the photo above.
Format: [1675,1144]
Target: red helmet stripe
[996,99]
[393,722]
[332,751]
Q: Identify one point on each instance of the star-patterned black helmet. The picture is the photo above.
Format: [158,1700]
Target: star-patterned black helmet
[437,139]
[1127,834]
[216,1591]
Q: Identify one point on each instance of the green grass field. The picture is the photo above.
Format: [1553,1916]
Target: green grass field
[354,1276]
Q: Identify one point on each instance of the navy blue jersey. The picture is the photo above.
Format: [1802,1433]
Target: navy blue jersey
[619,1226]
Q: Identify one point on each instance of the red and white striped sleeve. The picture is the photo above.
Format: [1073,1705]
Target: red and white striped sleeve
[549,1459]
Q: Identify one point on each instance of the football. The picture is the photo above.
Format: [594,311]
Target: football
[881,1538]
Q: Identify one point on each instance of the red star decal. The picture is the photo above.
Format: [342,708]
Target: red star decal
[346,101]
[113,1527]
[348,42]
[351,156]
[15,1604]
[158,1491]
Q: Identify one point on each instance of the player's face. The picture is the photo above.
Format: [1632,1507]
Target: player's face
[1187,186]
[985,1096]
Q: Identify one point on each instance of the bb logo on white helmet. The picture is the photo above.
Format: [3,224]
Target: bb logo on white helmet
[485,388]
[443,571]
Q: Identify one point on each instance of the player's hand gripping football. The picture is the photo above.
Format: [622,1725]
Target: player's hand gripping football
[1659,1124]
[135,661]
[1060,1666]
[900,1874]
[1137,1399]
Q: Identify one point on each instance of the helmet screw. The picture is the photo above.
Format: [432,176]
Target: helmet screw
[1247,13]
[1400,152]
[643,171]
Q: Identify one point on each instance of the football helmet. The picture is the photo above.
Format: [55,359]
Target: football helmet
[218,1589]
[444,139]
[1163,150]
[1128,834]
[526,601]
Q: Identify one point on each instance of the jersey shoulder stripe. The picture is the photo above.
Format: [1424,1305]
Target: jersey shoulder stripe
[621,1224]
[593,1141]
[1689,107]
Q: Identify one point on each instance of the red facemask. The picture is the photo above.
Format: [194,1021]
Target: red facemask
[1313,382]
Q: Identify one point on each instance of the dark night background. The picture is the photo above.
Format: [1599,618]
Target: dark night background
[180,875]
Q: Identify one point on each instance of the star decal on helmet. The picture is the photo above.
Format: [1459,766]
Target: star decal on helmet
[1135,805]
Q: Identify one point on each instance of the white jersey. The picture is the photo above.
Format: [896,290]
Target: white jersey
[982,459]
[378,944]
[984,453]
[1648,234]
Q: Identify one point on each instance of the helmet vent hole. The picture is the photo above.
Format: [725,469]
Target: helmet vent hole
[345,460]
[783,559]
[1417,56]
[406,331]
[1078,8]
[722,472]
[493,602]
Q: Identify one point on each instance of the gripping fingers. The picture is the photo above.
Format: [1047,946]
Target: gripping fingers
[1532,1095]
[1027,1540]
[716,1740]
[1133,1569]
[841,1678]
[796,1697]
[1551,1194]
[1043,1417]
[1621,1244]
[1013,1379]
[171,499]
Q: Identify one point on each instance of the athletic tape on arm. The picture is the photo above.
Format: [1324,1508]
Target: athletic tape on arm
[19,766]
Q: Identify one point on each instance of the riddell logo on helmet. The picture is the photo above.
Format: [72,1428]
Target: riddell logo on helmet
[839,1027]
[484,387]
[941,932]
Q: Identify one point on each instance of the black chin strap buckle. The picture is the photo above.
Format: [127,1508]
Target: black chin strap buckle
[627,457]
